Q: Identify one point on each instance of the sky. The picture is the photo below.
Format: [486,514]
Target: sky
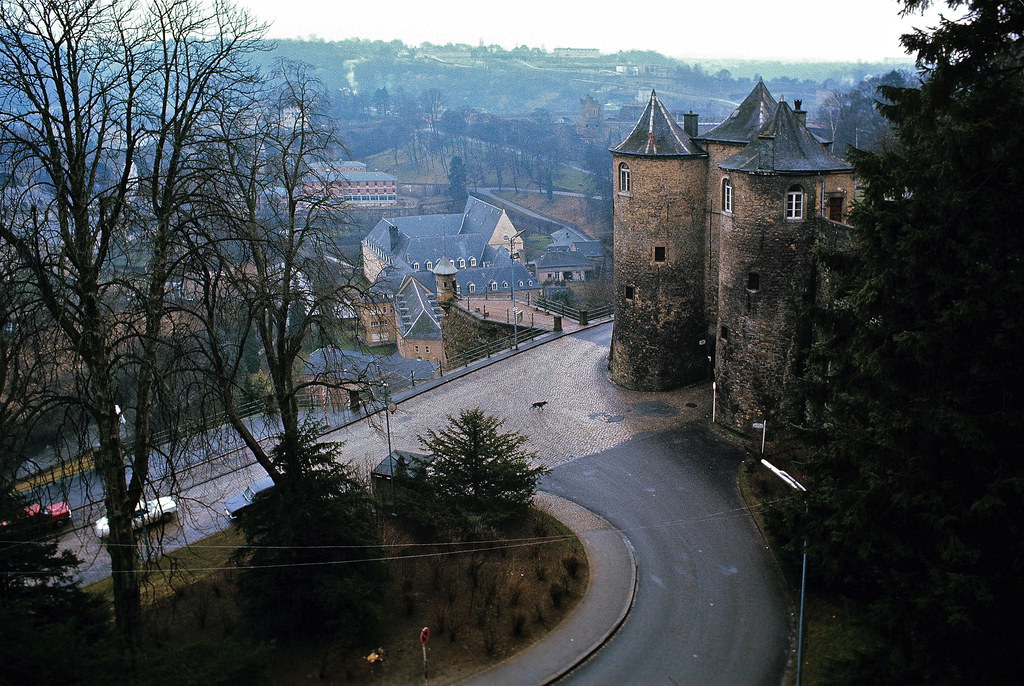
[815,30]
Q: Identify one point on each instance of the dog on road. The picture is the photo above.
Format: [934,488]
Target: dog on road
[539,405]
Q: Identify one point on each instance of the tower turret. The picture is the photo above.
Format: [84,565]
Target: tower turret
[660,250]
[767,274]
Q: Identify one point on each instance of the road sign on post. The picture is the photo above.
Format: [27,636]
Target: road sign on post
[424,637]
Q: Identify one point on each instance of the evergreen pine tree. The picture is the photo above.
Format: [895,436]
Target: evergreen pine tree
[917,488]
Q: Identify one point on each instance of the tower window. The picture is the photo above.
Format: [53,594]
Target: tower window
[726,195]
[795,203]
[753,282]
[724,333]
[624,180]
[629,292]
[659,253]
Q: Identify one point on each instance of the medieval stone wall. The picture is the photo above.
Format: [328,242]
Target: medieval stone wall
[660,249]
[766,280]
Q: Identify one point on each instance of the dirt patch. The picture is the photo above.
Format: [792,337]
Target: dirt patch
[483,603]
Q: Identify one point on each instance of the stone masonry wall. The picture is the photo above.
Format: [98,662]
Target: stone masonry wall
[766,278]
[660,254]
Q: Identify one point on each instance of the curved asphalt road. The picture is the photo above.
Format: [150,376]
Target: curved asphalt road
[708,607]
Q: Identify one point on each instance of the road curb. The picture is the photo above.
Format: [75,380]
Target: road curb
[606,603]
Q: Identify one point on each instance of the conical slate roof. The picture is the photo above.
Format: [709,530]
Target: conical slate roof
[785,145]
[657,134]
[747,119]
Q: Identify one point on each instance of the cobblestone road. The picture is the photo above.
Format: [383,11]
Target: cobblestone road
[585,413]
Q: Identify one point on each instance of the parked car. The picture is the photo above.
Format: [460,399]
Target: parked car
[159,509]
[52,515]
[234,505]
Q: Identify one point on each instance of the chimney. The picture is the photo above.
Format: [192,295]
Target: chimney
[766,153]
[690,124]
[800,113]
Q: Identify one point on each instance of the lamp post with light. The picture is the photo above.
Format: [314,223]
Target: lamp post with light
[796,486]
[512,282]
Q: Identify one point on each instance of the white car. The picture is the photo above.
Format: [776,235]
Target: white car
[157,510]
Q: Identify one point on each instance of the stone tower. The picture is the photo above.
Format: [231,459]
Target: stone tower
[714,258]
[660,253]
[781,181]
[721,143]
[444,273]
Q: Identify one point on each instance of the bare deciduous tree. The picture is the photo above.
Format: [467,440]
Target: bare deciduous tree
[106,107]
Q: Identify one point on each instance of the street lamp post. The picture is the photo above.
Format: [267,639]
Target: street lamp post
[797,486]
[512,282]
[389,407]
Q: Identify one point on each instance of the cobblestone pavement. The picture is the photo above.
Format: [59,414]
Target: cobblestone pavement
[585,413]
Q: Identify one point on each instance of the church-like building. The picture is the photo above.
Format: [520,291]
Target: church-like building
[715,267]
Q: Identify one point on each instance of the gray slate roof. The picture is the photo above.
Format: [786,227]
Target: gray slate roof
[747,119]
[658,134]
[410,241]
[554,259]
[784,145]
[417,310]
[352,365]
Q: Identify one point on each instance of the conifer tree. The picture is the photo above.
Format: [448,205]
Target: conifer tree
[917,487]
[477,477]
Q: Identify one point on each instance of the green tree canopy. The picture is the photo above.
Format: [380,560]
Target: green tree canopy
[917,488]
[476,478]
[53,631]
[311,547]
[457,182]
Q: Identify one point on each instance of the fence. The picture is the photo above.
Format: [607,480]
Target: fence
[493,347]
[583,317]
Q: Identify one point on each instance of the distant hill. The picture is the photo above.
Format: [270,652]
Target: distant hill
[365,76]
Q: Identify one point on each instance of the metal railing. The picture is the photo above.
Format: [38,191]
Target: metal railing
[582,316]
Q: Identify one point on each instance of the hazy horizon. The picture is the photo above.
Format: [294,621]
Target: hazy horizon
[794,30]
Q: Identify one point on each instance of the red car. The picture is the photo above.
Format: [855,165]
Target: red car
[54,514]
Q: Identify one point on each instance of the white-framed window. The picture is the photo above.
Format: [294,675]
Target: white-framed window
[625,183]
[462,263]
[494,285]
[504,284]
[795,203]
[472,288]
[415,266]
[726,195]
[520,283]
[472,261]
